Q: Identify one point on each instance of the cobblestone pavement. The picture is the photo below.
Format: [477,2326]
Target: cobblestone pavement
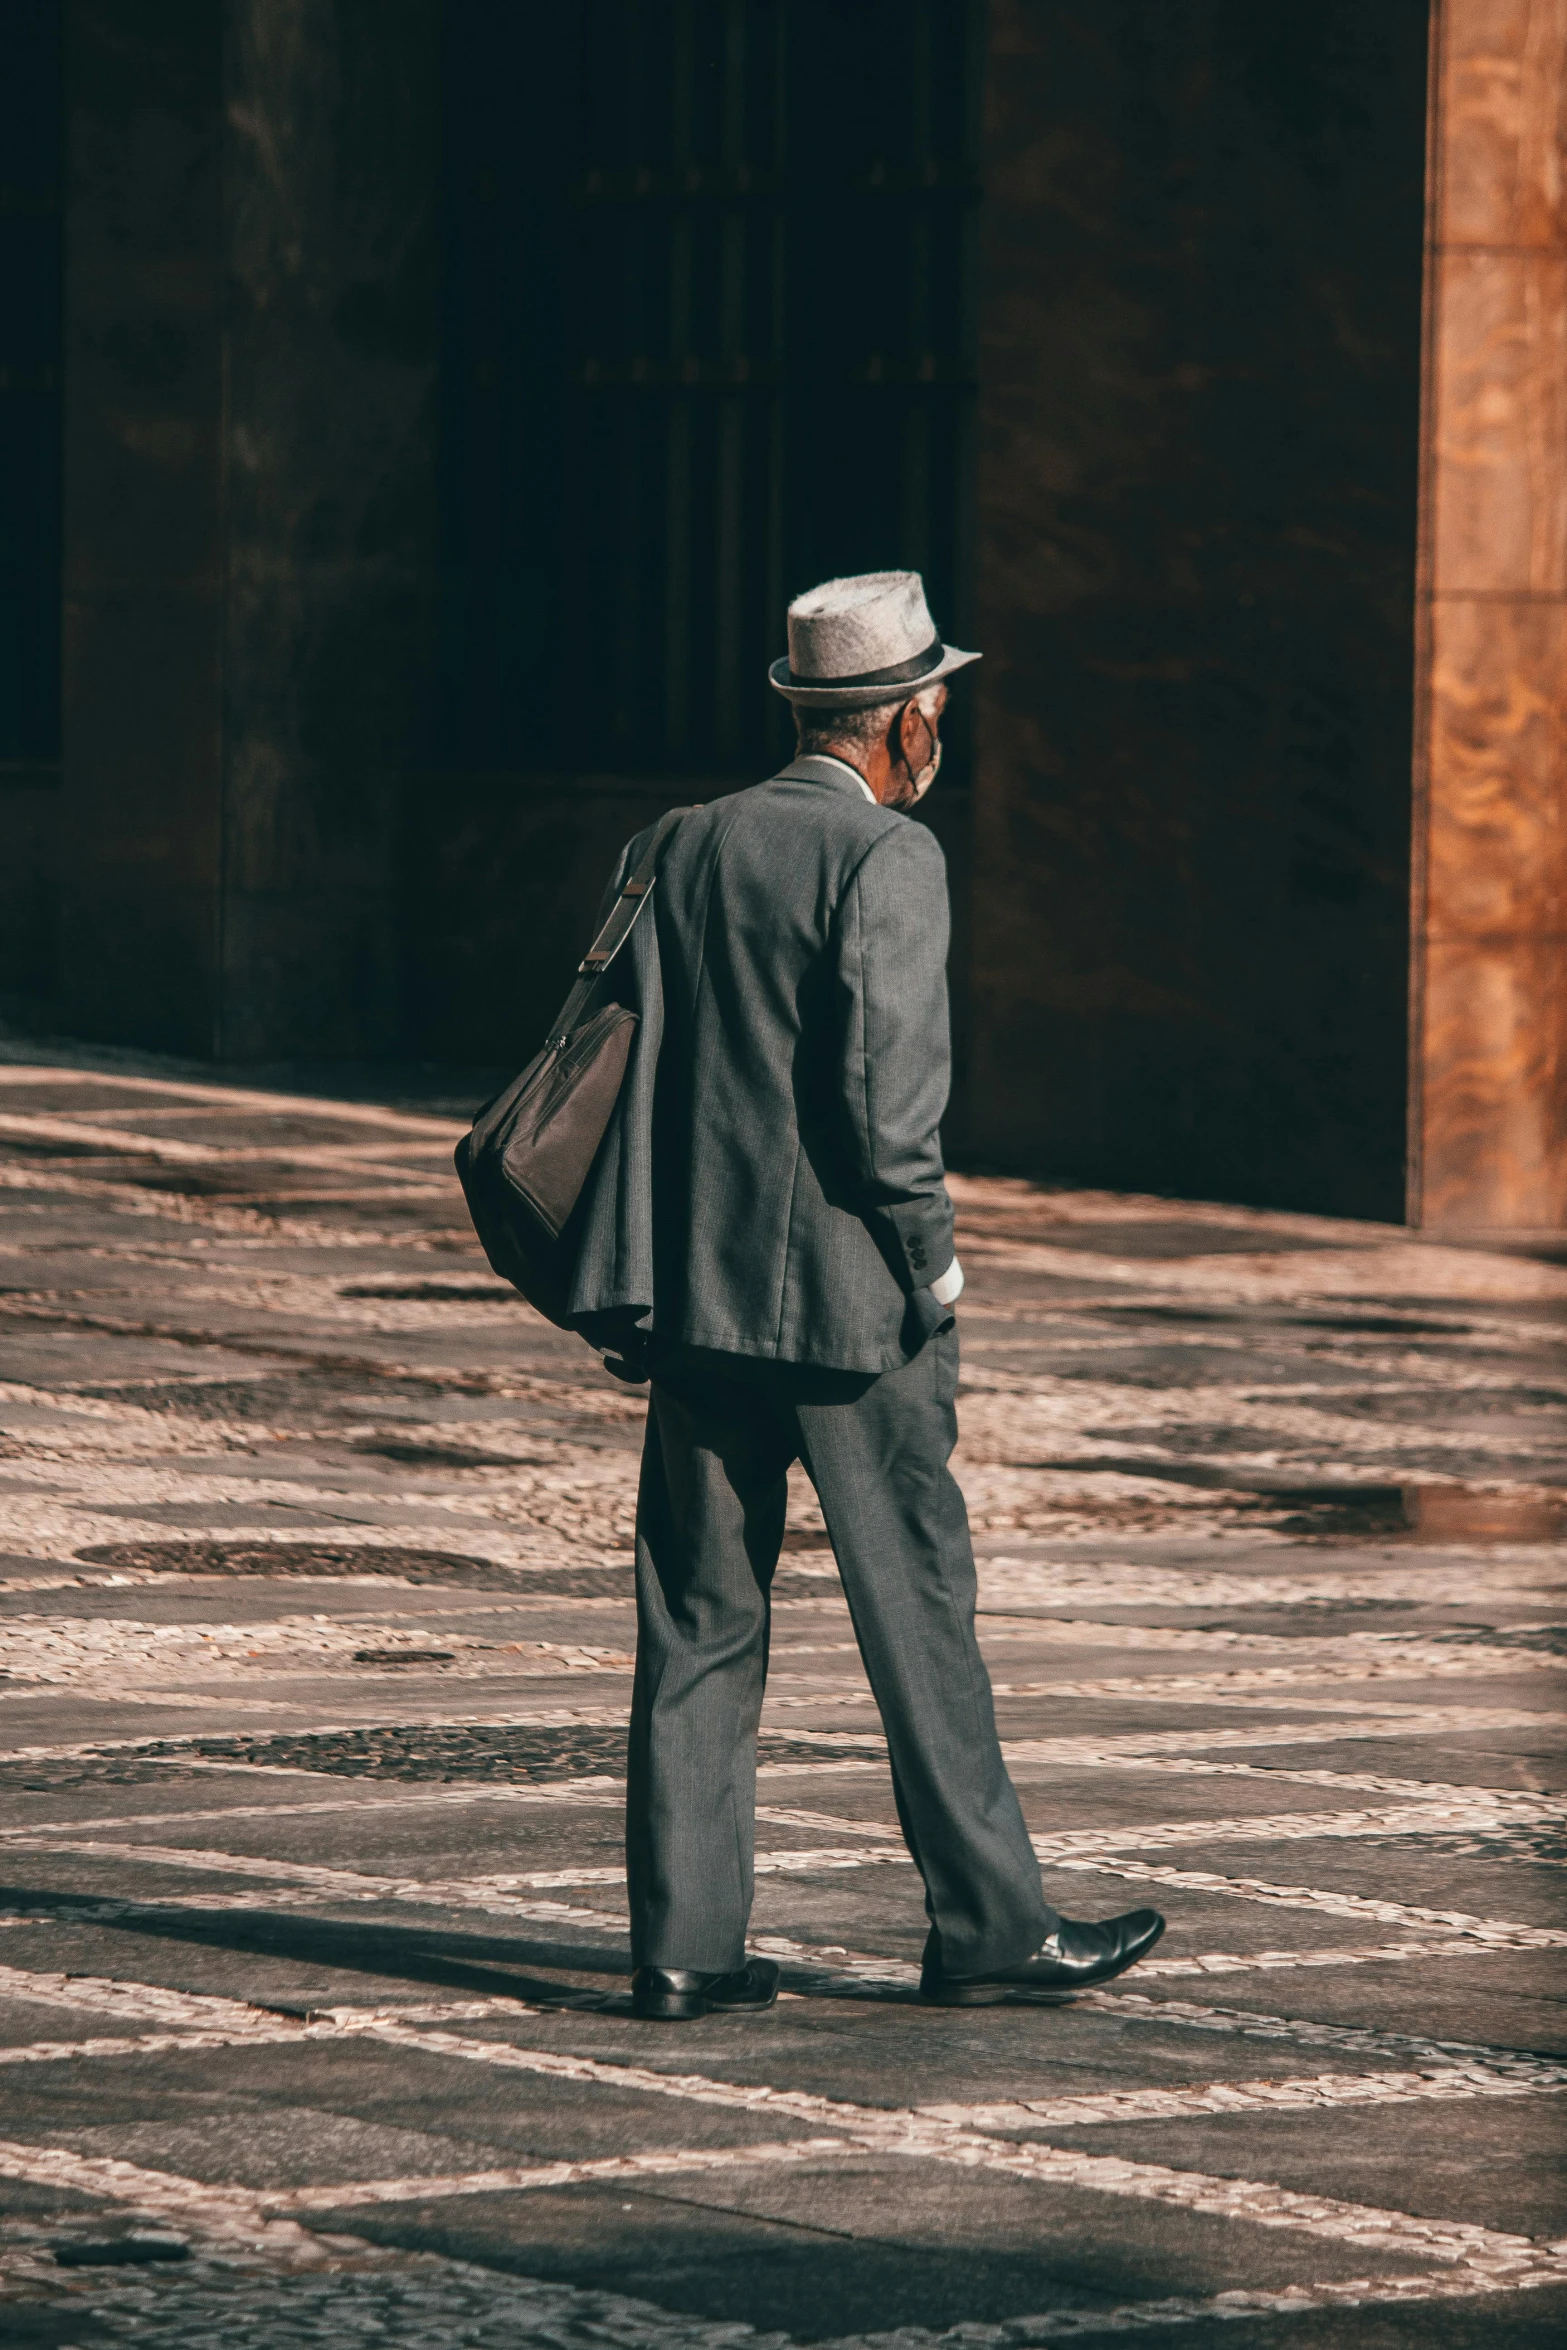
[314,1603]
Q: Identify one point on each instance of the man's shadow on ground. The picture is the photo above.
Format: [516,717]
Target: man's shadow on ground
[493,1965]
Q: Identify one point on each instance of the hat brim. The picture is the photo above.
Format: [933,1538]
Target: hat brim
[827,696]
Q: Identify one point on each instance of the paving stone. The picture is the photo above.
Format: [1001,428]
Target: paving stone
[1271,1516]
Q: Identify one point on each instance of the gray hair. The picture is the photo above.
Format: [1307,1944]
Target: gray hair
[854,730]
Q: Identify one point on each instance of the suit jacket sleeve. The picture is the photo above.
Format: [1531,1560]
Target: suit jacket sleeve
[896,1061]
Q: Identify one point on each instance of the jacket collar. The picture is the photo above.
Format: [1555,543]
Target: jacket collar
[814,768]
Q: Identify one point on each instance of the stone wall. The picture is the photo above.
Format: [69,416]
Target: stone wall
[1490,996]
[1182,876]
[248,531]
[142,626]
[29,883]
[1199,338]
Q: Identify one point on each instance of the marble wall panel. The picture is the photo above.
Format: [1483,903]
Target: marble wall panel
[1497,846]
[1489,1070]
[1499,513]
[1502,166]
[1496,1031]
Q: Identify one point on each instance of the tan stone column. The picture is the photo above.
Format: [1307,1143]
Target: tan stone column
[1488,1125]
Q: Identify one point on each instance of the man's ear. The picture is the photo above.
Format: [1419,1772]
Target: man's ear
[914,738]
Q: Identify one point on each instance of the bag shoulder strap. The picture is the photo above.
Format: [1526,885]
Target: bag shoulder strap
[635,891]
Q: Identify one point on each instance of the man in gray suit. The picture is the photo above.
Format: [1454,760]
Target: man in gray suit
[767,1233]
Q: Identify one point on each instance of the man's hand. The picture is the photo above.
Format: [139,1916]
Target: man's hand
[620,1342]
[628,1363]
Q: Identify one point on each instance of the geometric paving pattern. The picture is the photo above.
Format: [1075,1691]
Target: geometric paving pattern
[315,1645]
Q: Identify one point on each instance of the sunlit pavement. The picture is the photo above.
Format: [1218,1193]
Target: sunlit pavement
[314,1547]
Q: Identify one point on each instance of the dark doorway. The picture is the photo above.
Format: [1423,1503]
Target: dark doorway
[708,338]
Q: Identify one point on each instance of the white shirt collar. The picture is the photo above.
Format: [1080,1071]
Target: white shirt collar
[848,770]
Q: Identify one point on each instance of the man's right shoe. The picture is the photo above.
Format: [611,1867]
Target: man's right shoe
[678,1995]
[1074,1956]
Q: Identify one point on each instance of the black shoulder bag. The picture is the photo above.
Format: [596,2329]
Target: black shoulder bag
[529,1152]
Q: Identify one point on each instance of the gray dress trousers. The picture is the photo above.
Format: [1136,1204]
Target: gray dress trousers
[722,1432]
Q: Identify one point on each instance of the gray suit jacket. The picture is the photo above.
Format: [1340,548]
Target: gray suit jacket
[772,1182]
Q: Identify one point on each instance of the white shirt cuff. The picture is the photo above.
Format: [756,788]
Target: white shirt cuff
[949,1288]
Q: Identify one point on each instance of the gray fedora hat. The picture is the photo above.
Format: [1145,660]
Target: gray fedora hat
[856,642]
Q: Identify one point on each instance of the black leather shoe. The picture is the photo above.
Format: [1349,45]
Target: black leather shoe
[1071,1959]
[678,1995]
